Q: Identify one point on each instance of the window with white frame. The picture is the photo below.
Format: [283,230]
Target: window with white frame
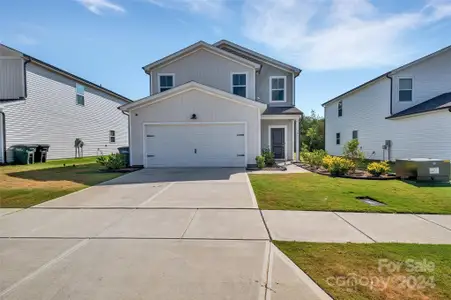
[355,134]
[338,138]
[277,89]
[112,136]
[239,84]
[165,82]
[340,108]
[405,89]
[80,94]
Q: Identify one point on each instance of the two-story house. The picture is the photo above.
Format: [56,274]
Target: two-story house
[214,105]
[404,113]
[43,104]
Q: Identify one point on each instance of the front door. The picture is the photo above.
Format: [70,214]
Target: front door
[278,142]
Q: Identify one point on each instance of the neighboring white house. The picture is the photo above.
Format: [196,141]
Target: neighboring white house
[42,104]
[404,113]
[214,105]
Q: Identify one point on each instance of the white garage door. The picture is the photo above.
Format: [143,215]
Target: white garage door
[195,145]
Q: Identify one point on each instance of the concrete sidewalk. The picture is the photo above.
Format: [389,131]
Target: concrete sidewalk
[342,227]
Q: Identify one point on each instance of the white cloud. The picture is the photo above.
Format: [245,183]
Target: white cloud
[336,34]
[25,40]
[99,6]
[211,8]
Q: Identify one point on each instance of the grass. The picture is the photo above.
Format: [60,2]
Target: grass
[23,186]
[325,263]
[322,193]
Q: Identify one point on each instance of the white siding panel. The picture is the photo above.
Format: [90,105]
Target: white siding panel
[424,135]
[206,68]
[431,78]
[2,150]
[11,78]
[50,115]
[208,108]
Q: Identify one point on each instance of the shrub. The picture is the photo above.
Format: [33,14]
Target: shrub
[326,162]
[314,159]
[340,166]
[269,157]
[351,150]
[260,161]
[113,161]
[378,168]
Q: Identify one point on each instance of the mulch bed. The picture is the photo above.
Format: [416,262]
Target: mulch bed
[123,170]
[272,168]
[358,174]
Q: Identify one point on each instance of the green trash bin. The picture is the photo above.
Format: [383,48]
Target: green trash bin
[125,151]
[24,154]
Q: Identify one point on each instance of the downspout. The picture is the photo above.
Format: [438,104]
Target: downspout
[391,93]
[4,135]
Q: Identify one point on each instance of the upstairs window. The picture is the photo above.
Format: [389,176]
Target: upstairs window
[165,82]
[80,91]
[239,84]
[112,136]
[338,139]
[405,89]
[340,108]
[277,89]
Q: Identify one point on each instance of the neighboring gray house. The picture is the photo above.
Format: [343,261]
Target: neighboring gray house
[214,105]
[42,104]
[404,113]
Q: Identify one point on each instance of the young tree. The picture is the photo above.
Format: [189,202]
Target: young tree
[312,132]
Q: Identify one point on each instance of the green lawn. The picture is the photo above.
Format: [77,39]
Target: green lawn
[317,192]
[335,267]
[23,186]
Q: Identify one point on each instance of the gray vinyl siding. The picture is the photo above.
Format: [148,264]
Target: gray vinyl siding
[205,68]
[50,115]
[290,135]
[262,86]
[11,78]
[262,79]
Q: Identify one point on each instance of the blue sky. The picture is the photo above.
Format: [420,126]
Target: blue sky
[338,44]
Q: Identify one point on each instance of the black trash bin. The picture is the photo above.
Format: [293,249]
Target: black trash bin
[126,152]
[41,153]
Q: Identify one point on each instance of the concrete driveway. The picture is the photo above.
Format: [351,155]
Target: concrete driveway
[152,234]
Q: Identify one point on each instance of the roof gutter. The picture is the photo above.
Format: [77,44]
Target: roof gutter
[391,92]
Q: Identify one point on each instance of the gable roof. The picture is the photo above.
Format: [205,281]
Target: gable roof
[442,101]
[192,85]
[389,73]
[264,58]
[50,67]
[195,47]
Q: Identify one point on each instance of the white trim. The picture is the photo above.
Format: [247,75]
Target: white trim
[151,83]
[280,117]
[284,88]
[165,74]
[399,88]
[293,130]
[130,157]
[192,123]
[259,132]
[285,127]
[197,47]
[2,142]
[188,87]
[246,86]
[298,139]
[293,96]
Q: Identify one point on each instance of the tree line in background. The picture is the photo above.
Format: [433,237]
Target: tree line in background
[312,132]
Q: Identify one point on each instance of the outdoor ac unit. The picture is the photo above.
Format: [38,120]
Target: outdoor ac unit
[423,169]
